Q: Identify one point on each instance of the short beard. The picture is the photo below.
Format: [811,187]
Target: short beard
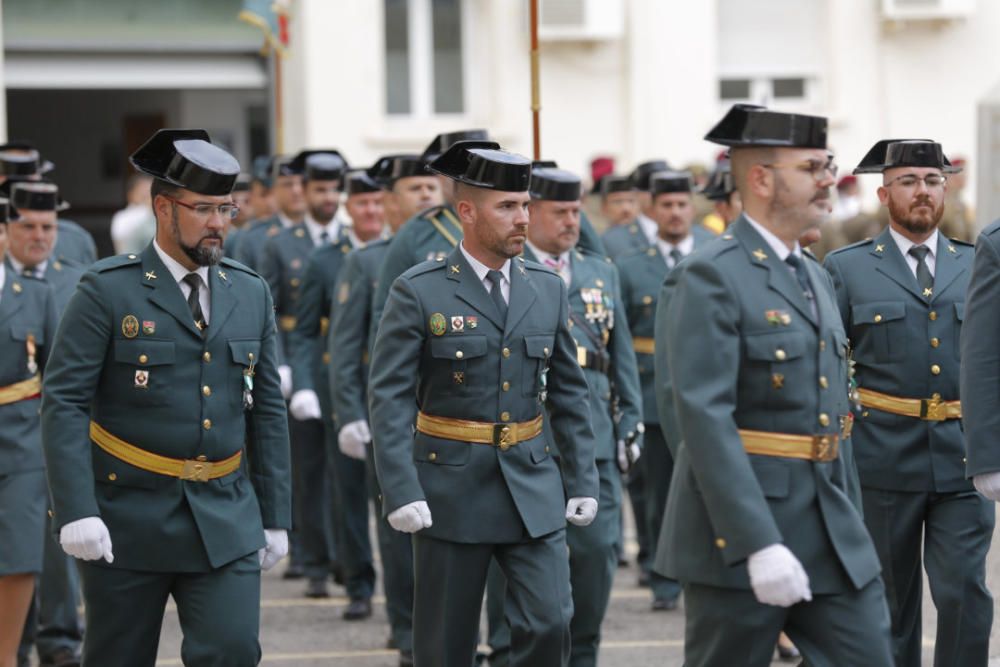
[201,256]
[319,214]
[903,216]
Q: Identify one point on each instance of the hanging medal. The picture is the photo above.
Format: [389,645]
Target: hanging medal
[248,385]
[32,350]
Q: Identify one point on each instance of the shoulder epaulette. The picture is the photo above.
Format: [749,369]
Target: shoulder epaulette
[233,264]
[432,211]
[535,266]
[116,262]
[857,244]
[634,252]
[809,253]
[961,242]
[426,267]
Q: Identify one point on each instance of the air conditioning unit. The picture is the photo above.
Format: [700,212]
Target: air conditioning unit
[580,20]
[927,10]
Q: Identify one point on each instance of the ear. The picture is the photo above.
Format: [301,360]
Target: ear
[466,211]
[760,180]
[883,195]
[161,206]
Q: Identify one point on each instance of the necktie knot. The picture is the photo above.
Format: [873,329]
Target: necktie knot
[324,237]
[193,281]
[556,264]
[920,252]
[675,256]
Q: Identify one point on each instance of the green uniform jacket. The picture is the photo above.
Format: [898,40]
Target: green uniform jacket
[253,237]
[590,240]
[476,492]
[350,324]
[189,405]
[642,274]
[74,243]
[27,309]
[745,352]
[900,338]
[622,239]
[310,358]
[595,296]
[980,374]
[282,265]
[63,275]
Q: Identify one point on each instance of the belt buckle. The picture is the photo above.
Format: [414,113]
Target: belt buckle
[824,447]
[581,356]
[196,470]
[503,436]
[933,409]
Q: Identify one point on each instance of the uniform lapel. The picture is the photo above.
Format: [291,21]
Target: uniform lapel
[164,290]
[947,267]
[522,294]
[893,265]
[223,299]
[11,300]
[470,289]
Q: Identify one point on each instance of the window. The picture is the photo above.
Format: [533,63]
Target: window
[424,68]
[765,90]
[788,88]
[734,89]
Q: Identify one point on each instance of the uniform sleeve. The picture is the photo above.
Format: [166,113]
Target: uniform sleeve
[980,368]
[304,339]
[348,343]
[395,367]
[267,446]
[72,373]
[398,258]
[568,405]
[832,266]
[589,240]
[269,267]
[664,388]
[624,368]
[704,370]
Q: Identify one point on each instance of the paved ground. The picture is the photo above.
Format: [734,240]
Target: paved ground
[297,632]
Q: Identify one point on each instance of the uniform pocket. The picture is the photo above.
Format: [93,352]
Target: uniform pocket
[466,370]
[878,330]
[537,350]
[147,366]
[244,353]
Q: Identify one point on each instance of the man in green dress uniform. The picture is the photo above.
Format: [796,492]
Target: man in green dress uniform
[760,528]
[289,195]
[164,431]
[642,275]
[469,350]
[902,300]
[640,234]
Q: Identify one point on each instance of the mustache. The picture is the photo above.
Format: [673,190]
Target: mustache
[822,195]
[922,201]
[215,236]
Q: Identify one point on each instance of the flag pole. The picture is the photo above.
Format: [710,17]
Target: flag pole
[279,124]
[536,93]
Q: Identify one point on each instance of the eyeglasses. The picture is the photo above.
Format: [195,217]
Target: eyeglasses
[816,168]
[205,211]
[911,180]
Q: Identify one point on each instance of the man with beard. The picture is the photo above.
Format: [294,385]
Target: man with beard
[470,346]
[640,234]
[760,527]
[619,200]
[642,273]
[289,196]
[902,299]
[409,187]
[163,378]
[346,517]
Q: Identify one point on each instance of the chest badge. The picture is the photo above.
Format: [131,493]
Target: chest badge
[150,275]
[148,327]
[141,379]
[130,326]
[438,324]
[31,350]
[457,323]
[471,321]
[776,317]
[759,255]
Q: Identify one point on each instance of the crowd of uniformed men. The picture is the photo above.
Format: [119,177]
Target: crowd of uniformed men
[789,433]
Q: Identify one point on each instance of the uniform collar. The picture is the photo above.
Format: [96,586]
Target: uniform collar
[776,244]
[648,227]
[480,268]
[904,244]
[316,230]
[177,269]
[685,246]
[18,267]
[541,255]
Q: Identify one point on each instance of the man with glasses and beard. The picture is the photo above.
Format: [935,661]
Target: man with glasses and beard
[761,526]
[902,300]
[164,430]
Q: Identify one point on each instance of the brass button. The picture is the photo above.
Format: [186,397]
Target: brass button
[326,357]
[207,357]
[935,342]
[932,315]
[432,456]
[823,382]
[295,282]
[824,419]
[112,476]
[131,256]
[505,416]
[822,345]
[51,514]
[459,354]
[249,356]
[545,351]
[720,542]
[505,386]
[779,354]
[963,461]
[864,414]
[935,369]
[206,390]
[506,352]
[646,300]
[143,358]
[201,457]
[546,449]
[878,318]
[207,424]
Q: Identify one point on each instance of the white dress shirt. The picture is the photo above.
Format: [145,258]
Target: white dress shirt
[685,247]
[316,230]
[481,270]
[177,271]
[649,228]
[37,272]
[905,244]
[564,269]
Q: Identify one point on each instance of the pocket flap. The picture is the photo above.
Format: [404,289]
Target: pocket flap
[878,312]
[442,452]
[539,346]
[960,311]
[144,352]
[778,346]
[458,347]
[19,331]
[245,351]
[772,474]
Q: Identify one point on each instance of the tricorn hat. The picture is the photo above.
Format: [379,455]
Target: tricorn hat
[7,212]
[890,153]
[31,195]
[482,164]
[358,182]
[665,182]
[720,183]
[552,184]
[390,168]
[187,159]
[26,150]
[242,183]
[640,175]
[751,125]
[611,184]
[322,165]
[444,141]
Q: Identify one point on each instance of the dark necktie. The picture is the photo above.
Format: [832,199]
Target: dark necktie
[800,274]
[675,257]
[324,238]
[924,277]
[31,273]
[495,293]
[194,303]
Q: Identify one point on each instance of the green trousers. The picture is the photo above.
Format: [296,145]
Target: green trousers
[658,467]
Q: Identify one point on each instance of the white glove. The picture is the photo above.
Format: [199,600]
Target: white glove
[352,439]
[988,484]
[581,511]
[628,456]
[777,577]
[275,548]
[411,517]
[305,405]
[87,539]
[285,373]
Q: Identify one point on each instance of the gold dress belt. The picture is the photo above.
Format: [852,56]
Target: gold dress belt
[930,409]
[503,436]
[19,391]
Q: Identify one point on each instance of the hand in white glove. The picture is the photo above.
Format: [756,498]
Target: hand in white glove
[285,373]
[353,437]
[581,511]
[275,548]
[627,455]
[87,539]
[411,517]
[777,577]
[988,484]
[305,405]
